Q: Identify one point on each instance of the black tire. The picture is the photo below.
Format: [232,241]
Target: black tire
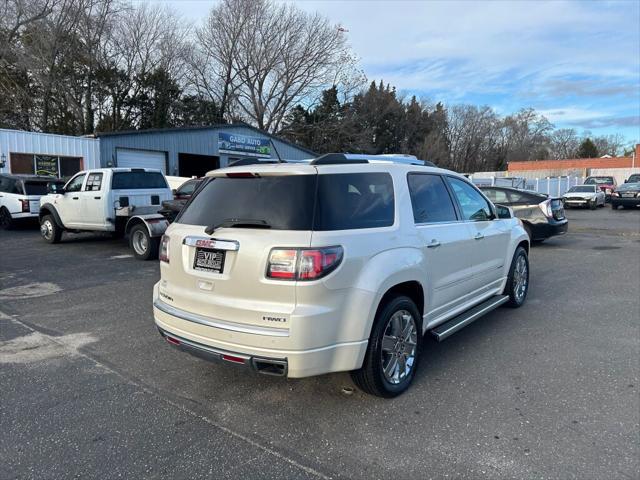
[527,229]
[143,246]
[371,377]
[614,206]
[517,299]
[593,204]
[50,230]
[6,221]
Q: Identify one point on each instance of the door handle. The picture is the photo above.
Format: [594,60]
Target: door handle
[478,236]
[75,198]
[434,243]
[96,198]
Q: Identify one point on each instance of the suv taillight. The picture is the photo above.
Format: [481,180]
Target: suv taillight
[163,254]
[303,263]
[25,206]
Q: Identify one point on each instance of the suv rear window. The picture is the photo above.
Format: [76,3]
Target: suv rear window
[287,202]
[137,180]
[35,188]
[284,202]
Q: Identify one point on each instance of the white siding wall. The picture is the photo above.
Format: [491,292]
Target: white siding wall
[18,141]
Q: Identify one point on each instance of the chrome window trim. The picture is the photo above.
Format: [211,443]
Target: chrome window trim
[224,325]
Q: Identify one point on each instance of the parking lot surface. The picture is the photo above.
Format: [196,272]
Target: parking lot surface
[89,389]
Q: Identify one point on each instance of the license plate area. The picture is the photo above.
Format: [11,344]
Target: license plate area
[628,195]
[209,260]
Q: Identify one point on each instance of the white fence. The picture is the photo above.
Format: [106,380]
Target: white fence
[552,186]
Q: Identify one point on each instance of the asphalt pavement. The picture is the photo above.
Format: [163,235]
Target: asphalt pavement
[89,389]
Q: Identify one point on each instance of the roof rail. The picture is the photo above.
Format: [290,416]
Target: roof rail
[352,158]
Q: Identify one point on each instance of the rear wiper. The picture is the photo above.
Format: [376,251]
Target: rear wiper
[237,222]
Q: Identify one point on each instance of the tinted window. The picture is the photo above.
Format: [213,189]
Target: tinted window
[430,199]
[94,182]
[137,180]
[496,196]
[354,200]
[75,184]
[187,188]
[524,197]
[35,188]
[474,206]
[8,185]
[284,202]
[582,188]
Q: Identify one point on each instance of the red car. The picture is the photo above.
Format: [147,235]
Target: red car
[606,183]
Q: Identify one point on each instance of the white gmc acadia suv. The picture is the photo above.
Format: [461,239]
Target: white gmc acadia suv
[340,264]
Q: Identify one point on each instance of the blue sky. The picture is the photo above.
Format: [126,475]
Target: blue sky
[577,62]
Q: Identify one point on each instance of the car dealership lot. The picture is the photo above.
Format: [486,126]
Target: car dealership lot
[547,391]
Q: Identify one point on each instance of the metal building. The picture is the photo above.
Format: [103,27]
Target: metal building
[46,154]
[193,151]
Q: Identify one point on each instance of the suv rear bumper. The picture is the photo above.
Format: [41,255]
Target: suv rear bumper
[291,363]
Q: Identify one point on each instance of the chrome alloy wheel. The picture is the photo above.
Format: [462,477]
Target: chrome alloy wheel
[399,345]
[520,279]
[140,242]
[46,229]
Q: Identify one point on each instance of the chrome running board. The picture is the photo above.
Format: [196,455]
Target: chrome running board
[457,323]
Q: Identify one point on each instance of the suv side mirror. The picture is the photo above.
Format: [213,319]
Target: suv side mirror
[55,187]
[504,212]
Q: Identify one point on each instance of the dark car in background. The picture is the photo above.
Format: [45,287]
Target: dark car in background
[635,178]
[181,195]
[605,183]
[543,217]
[626,195]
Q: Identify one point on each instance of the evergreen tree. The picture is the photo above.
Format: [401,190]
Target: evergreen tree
[587,149]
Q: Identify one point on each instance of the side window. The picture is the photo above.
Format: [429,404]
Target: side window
[354,200]
[474,206]
[13,186]
[187,189]
[4,184]
[495,195]
[94,182]
[75,184]
[430,199]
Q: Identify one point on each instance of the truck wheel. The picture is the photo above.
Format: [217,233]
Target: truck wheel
[50,230]
[518,280]
[143,245]
[6,222]
[393,351]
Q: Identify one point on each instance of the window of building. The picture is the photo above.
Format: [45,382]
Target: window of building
[39,164]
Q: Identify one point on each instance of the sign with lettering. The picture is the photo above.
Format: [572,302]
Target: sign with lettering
[47,165]
[244,145]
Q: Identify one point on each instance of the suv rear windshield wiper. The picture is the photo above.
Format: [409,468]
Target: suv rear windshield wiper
[238,222]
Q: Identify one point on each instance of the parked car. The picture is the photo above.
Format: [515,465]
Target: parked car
[20,197]
[584,196]
[634,178]
[335,265]
[118,200]
[542,217]
[181,195]
[626,195]
[605,183]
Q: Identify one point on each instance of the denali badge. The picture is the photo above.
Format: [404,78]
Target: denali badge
[274,319]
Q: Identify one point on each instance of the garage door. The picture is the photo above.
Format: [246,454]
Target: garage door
[142,159]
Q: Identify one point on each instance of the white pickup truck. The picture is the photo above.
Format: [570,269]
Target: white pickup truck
[124,201]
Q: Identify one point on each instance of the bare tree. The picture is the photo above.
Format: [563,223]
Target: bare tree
[258,59]
[564,143]
[610,144]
